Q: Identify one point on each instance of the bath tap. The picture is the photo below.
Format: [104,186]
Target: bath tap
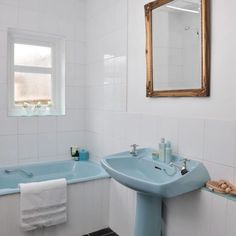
[134,151]
[28,174]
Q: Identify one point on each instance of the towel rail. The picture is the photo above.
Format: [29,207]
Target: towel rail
[28,174]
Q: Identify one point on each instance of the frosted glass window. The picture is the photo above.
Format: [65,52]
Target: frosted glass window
[31,55]
[32,74]
[36,74]
[32,88]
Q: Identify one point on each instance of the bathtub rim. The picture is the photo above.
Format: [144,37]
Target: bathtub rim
[102,175]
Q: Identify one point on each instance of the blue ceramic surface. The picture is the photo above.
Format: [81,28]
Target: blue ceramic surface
[153,180]
[73,171]
[143,174]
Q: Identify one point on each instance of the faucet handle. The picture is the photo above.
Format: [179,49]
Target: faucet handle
[134,151]
[134,145]
[185,160]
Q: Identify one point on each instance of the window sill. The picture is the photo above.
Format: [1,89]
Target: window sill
[22,112]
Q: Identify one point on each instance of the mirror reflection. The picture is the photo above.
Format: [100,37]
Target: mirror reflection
[176,41]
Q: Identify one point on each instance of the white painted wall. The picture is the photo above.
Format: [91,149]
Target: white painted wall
[24,140]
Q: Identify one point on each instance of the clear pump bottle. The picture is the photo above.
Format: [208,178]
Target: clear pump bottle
[162,150]
[168,152]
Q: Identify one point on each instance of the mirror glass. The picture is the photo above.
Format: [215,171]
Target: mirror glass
[176,41]
[178,48]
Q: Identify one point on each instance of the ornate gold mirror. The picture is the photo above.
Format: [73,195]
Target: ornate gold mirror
[178,48]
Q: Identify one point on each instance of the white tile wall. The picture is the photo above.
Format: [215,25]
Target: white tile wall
[124,212]
[27,125]
[47,145]
[191,138]
[40,138]
[88,211]
[219,171]
[220,142]
[230,216]
[97,112]
[8,147]
[218,219]
[114,120]
[27,146]
[47,124]
[8,124]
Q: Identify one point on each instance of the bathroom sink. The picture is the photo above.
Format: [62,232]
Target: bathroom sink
[154,180]
[143,174]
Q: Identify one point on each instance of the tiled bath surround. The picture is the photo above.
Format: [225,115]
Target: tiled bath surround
[87,208]
[22,139]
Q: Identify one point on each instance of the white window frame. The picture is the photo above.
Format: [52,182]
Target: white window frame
[57,45]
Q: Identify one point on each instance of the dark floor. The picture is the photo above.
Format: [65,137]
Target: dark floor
[103,232]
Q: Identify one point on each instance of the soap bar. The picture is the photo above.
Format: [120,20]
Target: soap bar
[155,155]
[83,155]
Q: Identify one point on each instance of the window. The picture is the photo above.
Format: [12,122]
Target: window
[36,74]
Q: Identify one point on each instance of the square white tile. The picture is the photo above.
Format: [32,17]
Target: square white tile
[47,145]
[8,148]
[27,125]
[191,138]
[27,146]
[220,144]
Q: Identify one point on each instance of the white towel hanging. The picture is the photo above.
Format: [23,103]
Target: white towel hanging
[43,204]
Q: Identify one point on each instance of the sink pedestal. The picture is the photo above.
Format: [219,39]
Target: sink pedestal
[148,215]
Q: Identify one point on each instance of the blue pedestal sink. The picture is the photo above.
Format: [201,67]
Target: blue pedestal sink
[153,180]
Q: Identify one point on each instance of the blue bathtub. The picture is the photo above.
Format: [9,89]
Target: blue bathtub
[73,171]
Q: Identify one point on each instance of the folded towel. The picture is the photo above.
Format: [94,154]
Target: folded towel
[43,204]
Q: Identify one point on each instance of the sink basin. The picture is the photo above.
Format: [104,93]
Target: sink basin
[153,180]
[143,174]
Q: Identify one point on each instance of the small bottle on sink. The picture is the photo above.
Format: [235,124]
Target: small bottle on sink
[162,150]
[168,157]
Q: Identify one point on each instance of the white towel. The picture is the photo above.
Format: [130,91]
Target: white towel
[43,204]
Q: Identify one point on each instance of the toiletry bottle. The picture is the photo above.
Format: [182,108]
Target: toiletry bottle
[74,151]
[168,152]
[83,155]
[162,147]
[155,155]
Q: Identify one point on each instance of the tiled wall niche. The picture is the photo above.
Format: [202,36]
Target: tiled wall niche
[32,139]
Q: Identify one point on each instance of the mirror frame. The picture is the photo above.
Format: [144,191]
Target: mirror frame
[204,91]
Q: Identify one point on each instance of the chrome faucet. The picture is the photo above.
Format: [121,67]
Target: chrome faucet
[183,169]
[134,151]
[28,174]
